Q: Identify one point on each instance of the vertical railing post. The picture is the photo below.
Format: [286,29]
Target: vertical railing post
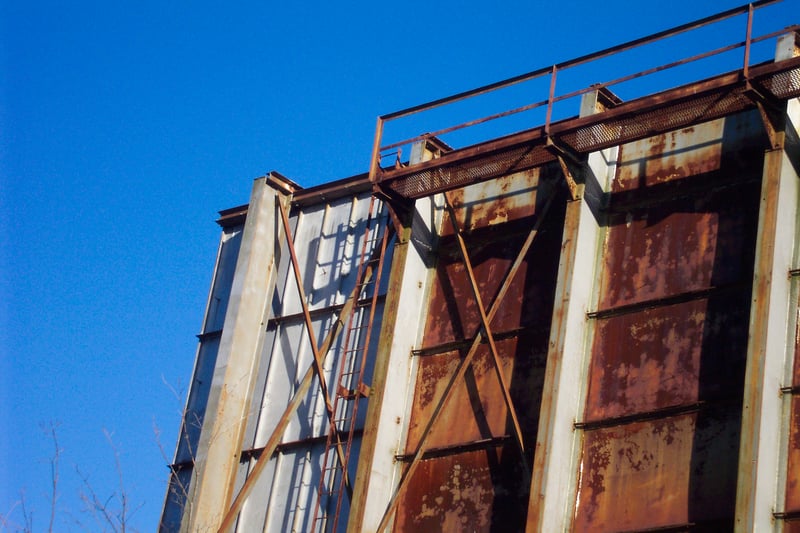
[549,115]
[375,162]
[747,39]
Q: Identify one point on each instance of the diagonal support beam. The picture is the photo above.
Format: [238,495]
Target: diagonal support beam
[487,330]
[297,399]
[318,362]
[463,365]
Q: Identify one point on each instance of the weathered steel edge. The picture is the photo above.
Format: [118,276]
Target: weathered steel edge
[770,325]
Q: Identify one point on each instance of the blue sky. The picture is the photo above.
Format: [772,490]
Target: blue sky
[125,127]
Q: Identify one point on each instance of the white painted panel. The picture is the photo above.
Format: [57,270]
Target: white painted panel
[259,390]
[230,243]
[281,379]
[332,253]
[198,399]
[253,515]
[291,505]
[306,241]
[328,242]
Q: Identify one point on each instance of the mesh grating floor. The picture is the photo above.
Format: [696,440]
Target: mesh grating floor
[784,85]
[671,117]
[442,178]
[663,114]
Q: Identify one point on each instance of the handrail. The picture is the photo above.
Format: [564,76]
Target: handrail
[553,70]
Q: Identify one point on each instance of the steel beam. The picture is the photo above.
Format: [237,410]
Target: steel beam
[552,484]
[236,367]
[770,324]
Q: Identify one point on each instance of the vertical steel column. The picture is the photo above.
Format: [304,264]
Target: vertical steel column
[554,467]
[237,365]
[767,349]
[377,469]
[373,472]
[375,160]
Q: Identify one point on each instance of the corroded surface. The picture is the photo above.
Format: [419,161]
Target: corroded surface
[491,203]
[659,473]
[793,468]
[476,410]
[453,314]
[471,482]
[792,502]
[662,416]
[471,491]
[680,244]
[667,356]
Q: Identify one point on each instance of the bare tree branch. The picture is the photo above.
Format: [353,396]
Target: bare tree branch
[54,474]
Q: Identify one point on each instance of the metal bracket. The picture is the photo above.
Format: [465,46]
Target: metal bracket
[399,207]
[773,116]
[570,163]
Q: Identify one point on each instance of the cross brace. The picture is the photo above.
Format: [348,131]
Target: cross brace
[463,365]
[299,395]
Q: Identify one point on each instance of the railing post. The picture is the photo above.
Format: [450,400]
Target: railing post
[375,162]
[550,99]
[748,38]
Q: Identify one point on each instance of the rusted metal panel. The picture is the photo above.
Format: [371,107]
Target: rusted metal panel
[793,467]
[796,365]
[792,500]
[492,483]
[680,244]
[482,490]
[452,312]
[476,410]
[673,471]
[666,356]
[662,415]
[502,200]
[671,156]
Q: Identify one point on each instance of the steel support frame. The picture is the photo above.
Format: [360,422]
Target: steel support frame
[486,330]
[771,335]
[384,366]
[464,363]
[223,428]
[318,362]
[394,369]
[377,173]
[320,354]
[553,482]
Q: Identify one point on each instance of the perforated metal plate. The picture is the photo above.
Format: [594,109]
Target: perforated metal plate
[672,110]
[446,177]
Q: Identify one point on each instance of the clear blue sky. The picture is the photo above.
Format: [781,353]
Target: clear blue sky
[125,127]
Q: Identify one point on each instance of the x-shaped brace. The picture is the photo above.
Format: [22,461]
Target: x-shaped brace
[464,364]
[316,369]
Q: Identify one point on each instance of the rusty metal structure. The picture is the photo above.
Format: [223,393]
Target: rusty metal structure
[587,325]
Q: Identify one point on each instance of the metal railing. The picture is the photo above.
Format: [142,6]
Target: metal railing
[379,149]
